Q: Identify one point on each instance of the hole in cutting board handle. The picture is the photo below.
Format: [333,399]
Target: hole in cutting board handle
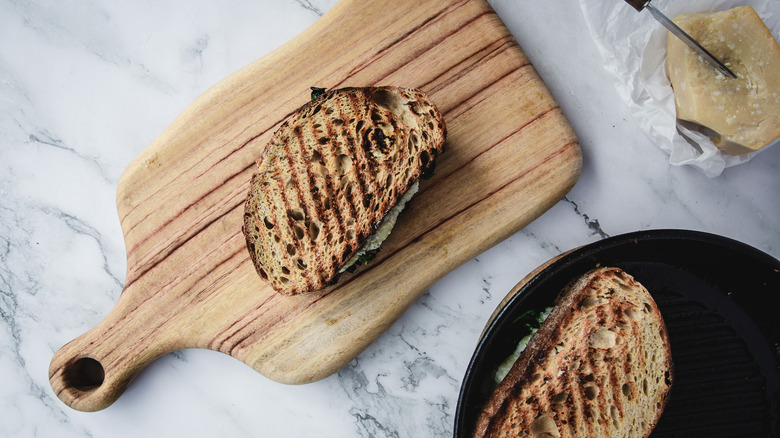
[84,374]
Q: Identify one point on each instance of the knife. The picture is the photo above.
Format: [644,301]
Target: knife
[679,33]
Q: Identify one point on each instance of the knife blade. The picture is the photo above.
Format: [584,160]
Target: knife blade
[682,35]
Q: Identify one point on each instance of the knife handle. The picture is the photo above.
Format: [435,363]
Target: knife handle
[638,4]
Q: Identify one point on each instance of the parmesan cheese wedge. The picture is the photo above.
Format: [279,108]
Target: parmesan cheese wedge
[744,113]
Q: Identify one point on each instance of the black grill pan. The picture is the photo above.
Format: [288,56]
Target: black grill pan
[718,298]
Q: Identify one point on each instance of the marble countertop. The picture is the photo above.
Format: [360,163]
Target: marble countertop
[86,86]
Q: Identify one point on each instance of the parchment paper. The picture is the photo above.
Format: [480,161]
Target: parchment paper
[633,45]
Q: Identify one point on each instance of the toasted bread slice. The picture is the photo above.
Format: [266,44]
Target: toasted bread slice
[330,175]
[599,366]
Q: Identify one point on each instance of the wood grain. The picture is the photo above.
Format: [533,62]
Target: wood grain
[510,155]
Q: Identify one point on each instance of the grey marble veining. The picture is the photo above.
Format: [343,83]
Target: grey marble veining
[86,86]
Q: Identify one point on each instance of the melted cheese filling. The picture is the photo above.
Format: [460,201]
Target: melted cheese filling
[375,240]
[506,365]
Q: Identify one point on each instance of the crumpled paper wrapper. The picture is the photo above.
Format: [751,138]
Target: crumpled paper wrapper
[633,45]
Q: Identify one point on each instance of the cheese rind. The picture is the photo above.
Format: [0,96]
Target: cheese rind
[744,112]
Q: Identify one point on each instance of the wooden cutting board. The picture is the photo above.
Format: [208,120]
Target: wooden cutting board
[510,155]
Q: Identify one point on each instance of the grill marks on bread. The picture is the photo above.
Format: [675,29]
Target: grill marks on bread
[328,177]
[600,366]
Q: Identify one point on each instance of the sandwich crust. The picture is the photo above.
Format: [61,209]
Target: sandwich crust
[328,177]
[599,366]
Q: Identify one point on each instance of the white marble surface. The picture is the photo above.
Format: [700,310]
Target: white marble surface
[85,86]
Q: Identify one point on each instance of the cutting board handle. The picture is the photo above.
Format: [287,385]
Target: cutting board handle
[92,371]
